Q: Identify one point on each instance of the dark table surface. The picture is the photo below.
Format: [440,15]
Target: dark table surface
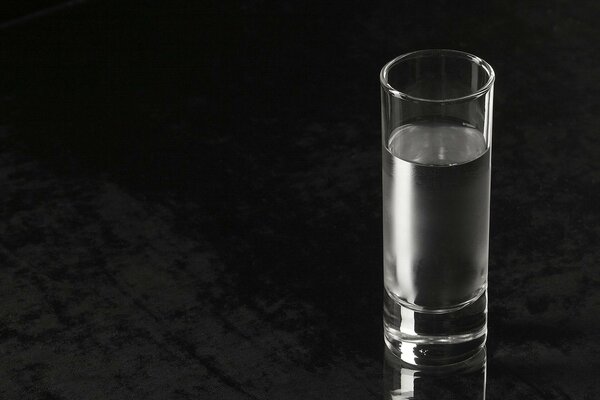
[191,199]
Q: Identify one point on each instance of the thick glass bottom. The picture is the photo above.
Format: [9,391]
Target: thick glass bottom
[435,337]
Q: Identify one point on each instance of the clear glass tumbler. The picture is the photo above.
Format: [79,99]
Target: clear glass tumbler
[437,137]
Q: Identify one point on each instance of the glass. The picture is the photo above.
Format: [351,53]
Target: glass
[465,380]
[436,135]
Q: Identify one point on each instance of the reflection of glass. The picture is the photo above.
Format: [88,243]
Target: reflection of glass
[464,380]
[436,147]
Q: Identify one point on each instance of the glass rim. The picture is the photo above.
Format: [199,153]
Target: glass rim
[383,75]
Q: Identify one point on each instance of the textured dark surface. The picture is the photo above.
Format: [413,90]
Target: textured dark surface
[191,198]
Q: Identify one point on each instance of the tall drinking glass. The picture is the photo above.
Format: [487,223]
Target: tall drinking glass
[437,137]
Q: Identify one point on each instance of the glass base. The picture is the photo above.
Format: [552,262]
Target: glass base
[435,337]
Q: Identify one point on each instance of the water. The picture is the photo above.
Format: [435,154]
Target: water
[437,143]
[436,180]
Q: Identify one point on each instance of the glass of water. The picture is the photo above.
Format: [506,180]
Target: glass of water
[437,137]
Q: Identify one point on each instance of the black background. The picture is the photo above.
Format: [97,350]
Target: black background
[191,197]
